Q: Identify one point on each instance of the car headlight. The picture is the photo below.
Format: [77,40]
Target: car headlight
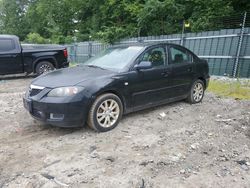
[65,91]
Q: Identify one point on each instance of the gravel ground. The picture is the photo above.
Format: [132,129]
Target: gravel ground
[202,145]
[242,81]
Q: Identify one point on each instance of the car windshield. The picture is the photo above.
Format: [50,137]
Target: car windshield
[114,58]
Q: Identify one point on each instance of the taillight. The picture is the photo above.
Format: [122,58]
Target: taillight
[65,53]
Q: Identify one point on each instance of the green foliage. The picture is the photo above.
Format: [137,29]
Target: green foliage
[111,34]
[61,21]
[35,38]
[205,13]
[60,39]
[12,17]
[160,17]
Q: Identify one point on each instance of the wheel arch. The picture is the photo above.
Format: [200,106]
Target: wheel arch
[112,91]
[48,59]
[203,80]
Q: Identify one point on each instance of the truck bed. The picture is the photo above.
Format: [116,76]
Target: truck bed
[39,48]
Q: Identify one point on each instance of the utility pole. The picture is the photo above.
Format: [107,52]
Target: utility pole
[184,25]
[183,31]
[236,65]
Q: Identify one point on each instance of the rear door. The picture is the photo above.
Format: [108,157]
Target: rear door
[10,57]
[183,70]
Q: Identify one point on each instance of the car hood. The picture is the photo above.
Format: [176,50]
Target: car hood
[70,76]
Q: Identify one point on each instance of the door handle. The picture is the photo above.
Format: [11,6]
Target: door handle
[165,74]
[189,69]
[12,55]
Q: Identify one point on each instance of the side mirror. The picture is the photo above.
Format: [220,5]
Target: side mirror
[144,65]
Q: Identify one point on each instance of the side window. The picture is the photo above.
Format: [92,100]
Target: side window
[6,45]
[178,55]
[156,56]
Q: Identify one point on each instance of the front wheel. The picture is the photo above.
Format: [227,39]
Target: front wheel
[44,67]
[196,93]
[105,113]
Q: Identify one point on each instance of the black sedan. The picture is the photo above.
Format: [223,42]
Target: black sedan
[120,80]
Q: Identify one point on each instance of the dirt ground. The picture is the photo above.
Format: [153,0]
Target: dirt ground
[202,145]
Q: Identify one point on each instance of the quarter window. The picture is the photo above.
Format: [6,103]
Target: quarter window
[178,56]
[156,56]
[6,45]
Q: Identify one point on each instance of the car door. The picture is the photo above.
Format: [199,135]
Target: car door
[182,66]
[10,57]
[150,86]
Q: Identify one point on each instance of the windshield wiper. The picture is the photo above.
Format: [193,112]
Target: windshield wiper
[94,66]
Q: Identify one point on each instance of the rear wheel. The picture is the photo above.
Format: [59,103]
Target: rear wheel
[105,113]
[196,93]
[44,67]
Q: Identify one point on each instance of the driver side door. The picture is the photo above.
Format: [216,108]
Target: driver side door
[150,86]
[10,57]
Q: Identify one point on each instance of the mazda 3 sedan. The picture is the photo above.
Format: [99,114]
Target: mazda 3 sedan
[120,80]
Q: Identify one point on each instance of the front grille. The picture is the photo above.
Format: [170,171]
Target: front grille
[34,92]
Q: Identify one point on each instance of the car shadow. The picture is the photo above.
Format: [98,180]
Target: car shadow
[60,131]
[153,109]
[41,129]
[54,131]
[15,77]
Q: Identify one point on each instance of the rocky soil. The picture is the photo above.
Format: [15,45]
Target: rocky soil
[175,145]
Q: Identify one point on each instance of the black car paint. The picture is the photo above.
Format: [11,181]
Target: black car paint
[137,89]
[24,59]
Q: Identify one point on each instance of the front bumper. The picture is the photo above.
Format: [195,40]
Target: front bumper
[57,111]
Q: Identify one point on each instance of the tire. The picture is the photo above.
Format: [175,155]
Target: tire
[196,93]
[105,113]
[44,67]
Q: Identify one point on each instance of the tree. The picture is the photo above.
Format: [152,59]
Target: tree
[160,17]
[12,20]
[35,38]
[52,19]
[205,13]
[110,20]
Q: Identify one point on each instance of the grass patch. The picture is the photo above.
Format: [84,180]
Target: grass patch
[233,89]
[72,64]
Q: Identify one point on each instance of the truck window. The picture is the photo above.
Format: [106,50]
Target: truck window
[6,45]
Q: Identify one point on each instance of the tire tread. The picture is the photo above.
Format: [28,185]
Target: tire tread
[91,115]
[190,98]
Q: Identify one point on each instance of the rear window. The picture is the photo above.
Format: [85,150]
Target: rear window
[6,45]
[179,55]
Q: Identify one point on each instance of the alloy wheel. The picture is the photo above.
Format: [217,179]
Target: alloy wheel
[45,68]
[198,92]
[108,113]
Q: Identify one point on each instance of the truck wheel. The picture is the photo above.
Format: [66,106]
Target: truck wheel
[105,113]
[44,67]
[196,93]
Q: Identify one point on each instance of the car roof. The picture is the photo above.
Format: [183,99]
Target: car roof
[143,44]
[8,36]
